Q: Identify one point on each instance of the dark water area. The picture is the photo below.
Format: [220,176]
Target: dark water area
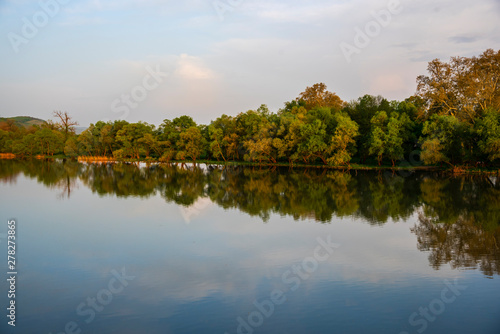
[124,248]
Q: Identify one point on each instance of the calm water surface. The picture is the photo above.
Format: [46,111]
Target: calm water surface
[182,249]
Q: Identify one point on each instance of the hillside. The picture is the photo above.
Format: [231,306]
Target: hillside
[24,121]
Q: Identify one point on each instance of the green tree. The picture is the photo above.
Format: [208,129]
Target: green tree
[432,152]
[191,144]
[71,147]
[463,87]
[488,129]
[256,130]
[290,120]
[389,134]
[217,142]
[317,97]
[314,141]
[4,140]
[106,139]
[223,138]
[399,129]
[86,143]
[362,111]
[130,136]
[378,137]
[440,142]
[343,141]
[50,141]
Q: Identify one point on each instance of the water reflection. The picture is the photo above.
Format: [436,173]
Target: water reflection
[459,217]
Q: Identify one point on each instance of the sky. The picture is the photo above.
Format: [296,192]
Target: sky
[142,60]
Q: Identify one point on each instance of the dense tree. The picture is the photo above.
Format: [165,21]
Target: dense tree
[314,141]
[453,118]
[130,136]
[256,131]
[50,141]
[388,135]
[343,141]
[440,141]
[463,88]
[488,129]
[217,142]
[223,139]
[378,137]
[362,112]
[190,144]
[4,140]
[71,148]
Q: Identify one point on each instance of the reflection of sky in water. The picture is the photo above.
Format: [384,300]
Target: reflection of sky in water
[198,276]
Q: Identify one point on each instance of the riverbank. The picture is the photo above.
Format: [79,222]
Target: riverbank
[354,166]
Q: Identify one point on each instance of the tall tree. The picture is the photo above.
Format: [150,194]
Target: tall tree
[66,123]
[223,139]
[488,129]
[388,135]
[343,140]
[317,97]
[463,87]
[362,111]
[191,144]
[50,141]
[130,136]
[378,136]
[440,139]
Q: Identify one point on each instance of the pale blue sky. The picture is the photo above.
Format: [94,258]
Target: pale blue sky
[87,55]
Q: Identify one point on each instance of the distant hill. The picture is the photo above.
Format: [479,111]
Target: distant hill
[27,121]
[24,121]
[80,129]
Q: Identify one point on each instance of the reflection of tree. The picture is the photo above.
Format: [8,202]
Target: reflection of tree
[122,180]
[387,196]
[59,174]
[10,170]
[68,182]
[313,194]
[459,217]
[299,193]
[181,185]
[464,244]
[460,223]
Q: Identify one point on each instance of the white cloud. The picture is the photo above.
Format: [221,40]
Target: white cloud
[309,13]
[192,68]
[265,52]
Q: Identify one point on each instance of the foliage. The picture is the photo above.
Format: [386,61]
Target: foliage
[440,136]
[343,140]
[463,88]
[488,129]
[454,118]
[317,97]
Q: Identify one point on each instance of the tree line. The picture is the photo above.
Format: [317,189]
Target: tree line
[454,118]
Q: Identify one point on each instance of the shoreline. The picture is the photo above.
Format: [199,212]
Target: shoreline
[356,167]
